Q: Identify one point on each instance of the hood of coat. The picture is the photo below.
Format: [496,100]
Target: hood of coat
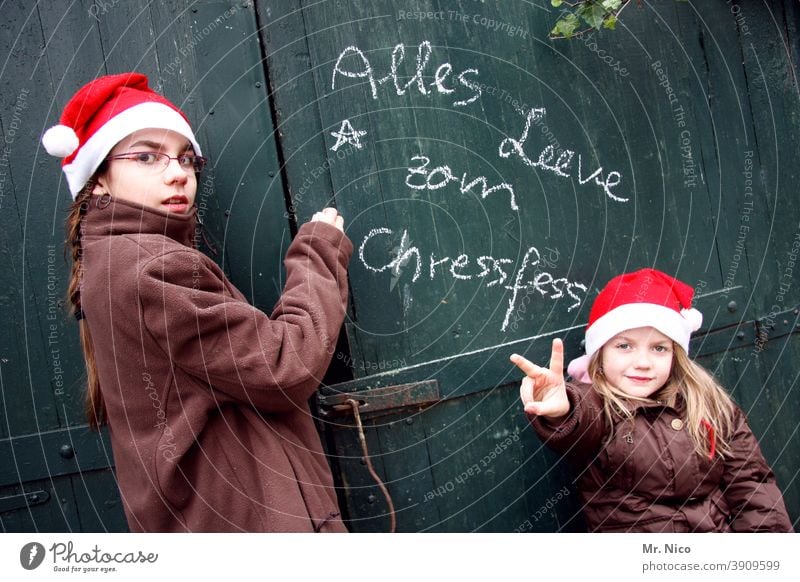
[106,216]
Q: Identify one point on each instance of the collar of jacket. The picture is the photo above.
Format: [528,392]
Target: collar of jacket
[106,216]
[634,405]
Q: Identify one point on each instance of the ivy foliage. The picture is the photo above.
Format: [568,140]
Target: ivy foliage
[582,16]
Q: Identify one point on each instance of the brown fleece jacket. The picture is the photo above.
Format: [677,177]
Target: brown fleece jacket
[206,395]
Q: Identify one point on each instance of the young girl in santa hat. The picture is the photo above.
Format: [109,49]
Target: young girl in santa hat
[205,396]
[659,444]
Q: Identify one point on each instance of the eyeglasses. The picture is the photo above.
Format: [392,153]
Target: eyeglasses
[157,162]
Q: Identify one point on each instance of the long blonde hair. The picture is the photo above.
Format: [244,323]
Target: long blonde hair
[708,409]
[94,406]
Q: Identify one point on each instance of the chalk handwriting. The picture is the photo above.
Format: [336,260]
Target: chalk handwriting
[354,64]
[488,268]
[441,176]
[561,165]
[347,134]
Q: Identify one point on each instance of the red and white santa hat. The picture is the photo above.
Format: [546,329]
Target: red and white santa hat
[645,298]
[102,113]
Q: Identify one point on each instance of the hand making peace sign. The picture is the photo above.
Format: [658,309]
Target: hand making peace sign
[543,391]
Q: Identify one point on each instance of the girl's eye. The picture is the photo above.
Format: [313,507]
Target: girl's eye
[186,161]
[661,349]
[147,158]
[623,346]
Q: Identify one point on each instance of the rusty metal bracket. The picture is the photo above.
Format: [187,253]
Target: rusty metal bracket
[381,400]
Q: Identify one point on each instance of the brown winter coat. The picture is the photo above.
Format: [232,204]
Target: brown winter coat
[206,395]
[648,478]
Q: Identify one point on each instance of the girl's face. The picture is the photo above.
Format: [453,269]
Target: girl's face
[637,361]
[143,179]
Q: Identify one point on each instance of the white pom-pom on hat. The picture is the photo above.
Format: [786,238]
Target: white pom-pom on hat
[60,141]
[693,317]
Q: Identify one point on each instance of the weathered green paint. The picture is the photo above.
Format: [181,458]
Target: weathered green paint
[681,154]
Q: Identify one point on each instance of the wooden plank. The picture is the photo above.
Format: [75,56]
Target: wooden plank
[669,80]
[128,38]
[729,143]
[405,452]
[547,477]
[35,251]
[772,90]
[455,452]
[73,57]
[774,419]
[13,372]
[247,183]
[292,89]
[493,500]
[98,502]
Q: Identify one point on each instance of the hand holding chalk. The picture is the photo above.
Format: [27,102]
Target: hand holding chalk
[331,216]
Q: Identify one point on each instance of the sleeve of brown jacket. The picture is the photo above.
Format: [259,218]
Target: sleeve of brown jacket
[749,485]
[273,363]
[579,434]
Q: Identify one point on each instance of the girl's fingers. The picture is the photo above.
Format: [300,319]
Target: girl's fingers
[557,358]
[537,408]
[331,216]
[527,367]
[526,391]
[532,408]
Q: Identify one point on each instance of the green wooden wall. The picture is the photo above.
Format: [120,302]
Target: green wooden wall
[492,181]
[419,110]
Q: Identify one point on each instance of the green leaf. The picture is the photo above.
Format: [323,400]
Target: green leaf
[611,4]
[556,3]
[594,15]
[610,22]
[566,26]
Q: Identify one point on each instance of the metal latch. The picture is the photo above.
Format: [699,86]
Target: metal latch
[381,400]
[23,500]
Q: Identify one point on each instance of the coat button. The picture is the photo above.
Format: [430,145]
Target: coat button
[677,423]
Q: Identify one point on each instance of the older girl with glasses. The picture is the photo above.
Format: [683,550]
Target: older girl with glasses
[205,397]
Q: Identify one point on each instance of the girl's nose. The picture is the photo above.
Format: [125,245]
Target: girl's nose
[175,174]
[642,359]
